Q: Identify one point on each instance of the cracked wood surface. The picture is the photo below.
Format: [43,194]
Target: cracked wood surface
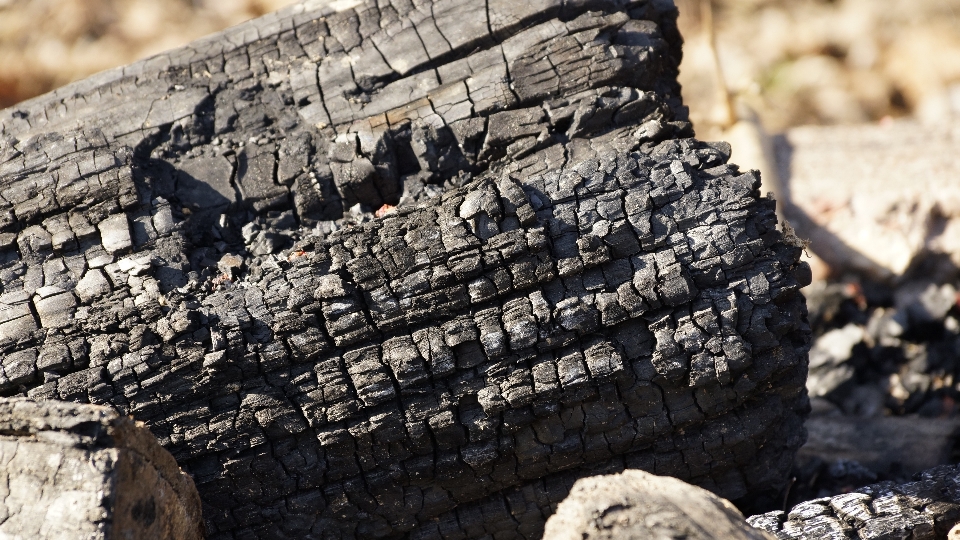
[569,285]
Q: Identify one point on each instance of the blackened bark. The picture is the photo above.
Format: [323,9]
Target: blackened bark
[569,286]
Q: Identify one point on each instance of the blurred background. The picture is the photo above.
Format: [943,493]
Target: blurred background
[851,111]
[48,43]
[800,62]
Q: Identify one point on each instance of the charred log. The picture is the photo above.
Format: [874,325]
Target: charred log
[570,284]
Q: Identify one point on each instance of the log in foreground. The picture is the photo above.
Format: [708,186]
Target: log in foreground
[569,286]
[82,471]
[925,509]
[639,505]
[634,504]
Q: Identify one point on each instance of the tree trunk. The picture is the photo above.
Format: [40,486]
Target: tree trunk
[570,285]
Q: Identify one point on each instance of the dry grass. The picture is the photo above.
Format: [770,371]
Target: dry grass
[825,61]
[47,43]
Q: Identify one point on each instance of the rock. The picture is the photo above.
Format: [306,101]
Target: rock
[83,471]
[864,400]
[925,302]
[830,357]
[909,443]
[636,504]
[230,264]
[848,194]
[265,243]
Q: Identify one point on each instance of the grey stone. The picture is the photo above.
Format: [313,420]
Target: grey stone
[911,442]
[635,504]
[828,359]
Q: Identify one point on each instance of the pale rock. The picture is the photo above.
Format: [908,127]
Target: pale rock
[230,264]
[910,443]
[83,471]
[828,357]
[636,504]
[873,199]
